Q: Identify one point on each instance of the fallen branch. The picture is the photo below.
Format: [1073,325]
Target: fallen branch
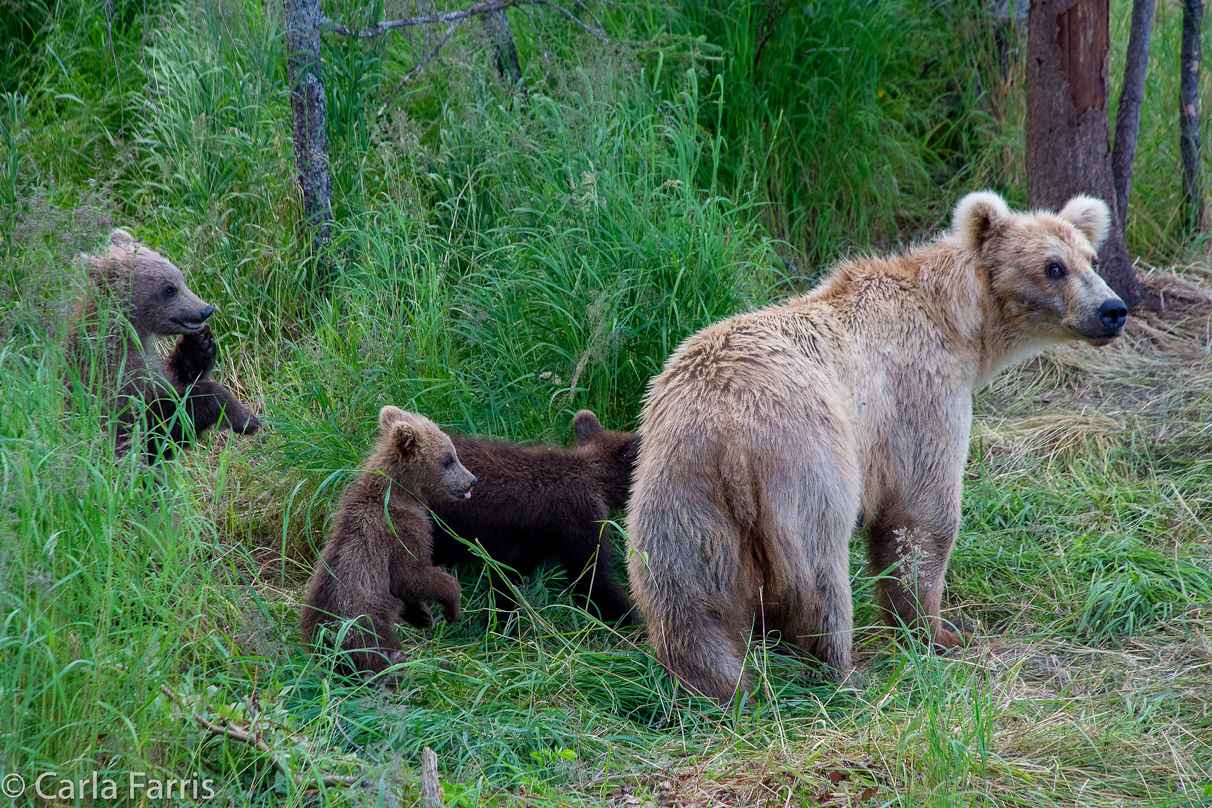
[247,736]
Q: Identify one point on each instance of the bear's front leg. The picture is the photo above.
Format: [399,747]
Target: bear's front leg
[909,550]
[210,403]
[192,358]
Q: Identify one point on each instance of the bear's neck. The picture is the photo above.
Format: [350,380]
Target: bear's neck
[975,320]
[1001,346]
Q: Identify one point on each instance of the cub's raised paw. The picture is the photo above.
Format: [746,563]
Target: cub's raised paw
[194,355]
[248,426]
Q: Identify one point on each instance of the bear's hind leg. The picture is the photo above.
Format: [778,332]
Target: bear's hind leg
[589,561]
[698,612]
[807,560]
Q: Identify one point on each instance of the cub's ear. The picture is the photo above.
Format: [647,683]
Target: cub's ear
[586,427]
[404,438]
[120,237]
[390,415]
[1090,216]
[977,217]
[98,267]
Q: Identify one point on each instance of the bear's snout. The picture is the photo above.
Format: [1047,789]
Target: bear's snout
[206,312]
[1113,314]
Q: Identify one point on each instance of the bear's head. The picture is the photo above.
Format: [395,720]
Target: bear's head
[1042,267]
[149,290]
[418,455]
[613,453]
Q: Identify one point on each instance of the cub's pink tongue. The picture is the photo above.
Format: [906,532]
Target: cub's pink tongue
[467,495]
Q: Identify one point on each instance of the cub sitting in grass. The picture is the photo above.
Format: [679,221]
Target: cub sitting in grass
[376,565]
[115,355]
[538,502]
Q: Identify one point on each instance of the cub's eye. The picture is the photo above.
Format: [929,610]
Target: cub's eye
[1094,264]
[447,462]
[169,291]
[1055,270]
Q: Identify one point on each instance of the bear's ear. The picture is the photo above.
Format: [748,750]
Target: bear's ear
[1090,216]
[586,427]
[121,238]
[404,438]
[977,217]
[390,415]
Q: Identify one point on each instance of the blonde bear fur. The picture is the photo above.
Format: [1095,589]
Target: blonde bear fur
[768,434]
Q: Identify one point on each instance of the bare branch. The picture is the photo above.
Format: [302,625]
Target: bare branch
[425,19]
[335,27]
[246,735]
[597,32]
[419,66]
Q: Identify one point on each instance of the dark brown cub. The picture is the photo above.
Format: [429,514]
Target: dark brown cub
[539,502]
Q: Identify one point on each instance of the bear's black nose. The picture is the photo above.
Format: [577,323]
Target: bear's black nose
[1113,313]
[208,311]
[474,480]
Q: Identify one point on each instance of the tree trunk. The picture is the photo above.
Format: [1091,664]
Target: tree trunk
[1188,100]
[496,27]
[1068,131]
[309,110]
[1131,97]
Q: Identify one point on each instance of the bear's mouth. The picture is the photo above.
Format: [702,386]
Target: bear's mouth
[1105,339]
[189,326]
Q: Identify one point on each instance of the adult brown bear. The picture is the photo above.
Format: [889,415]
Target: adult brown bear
[768,434]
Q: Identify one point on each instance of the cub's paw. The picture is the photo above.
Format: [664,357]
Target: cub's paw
[194,355]
[418,614]
[248,426]
[450,611]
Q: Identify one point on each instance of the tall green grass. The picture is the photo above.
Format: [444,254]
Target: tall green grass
[505,259]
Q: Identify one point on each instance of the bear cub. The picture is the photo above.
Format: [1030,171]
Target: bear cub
[377,563]
[538,502]
[115,356]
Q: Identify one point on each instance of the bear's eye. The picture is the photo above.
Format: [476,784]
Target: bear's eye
[447,461]
[1094,264]
[169,291]
[1055,270]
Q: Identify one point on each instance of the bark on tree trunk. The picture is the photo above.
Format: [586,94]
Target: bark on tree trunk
[1188,100]
[1131,97]
[1068,131]
[309,109]
[496,27]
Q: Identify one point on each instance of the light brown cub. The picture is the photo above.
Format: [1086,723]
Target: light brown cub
[377,563]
